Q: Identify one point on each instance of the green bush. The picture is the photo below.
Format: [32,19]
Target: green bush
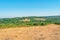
[57,23]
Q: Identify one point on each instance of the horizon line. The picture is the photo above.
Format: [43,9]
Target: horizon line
[30,16]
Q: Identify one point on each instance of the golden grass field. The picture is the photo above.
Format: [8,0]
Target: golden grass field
[49,32]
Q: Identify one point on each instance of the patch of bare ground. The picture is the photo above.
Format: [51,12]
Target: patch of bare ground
[49,32]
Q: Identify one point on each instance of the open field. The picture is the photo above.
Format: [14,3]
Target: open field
[48,32]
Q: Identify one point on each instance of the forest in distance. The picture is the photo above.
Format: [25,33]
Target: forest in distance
[29,21]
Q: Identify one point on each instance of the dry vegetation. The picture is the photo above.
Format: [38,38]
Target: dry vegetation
[40,19]
[48,32]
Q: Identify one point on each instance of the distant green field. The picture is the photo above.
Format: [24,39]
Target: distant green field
[29,21]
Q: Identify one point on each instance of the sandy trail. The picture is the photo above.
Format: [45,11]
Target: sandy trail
[49,32]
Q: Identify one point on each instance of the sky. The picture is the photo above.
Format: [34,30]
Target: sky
[21,8]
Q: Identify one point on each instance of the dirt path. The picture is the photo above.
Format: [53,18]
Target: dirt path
[49,32]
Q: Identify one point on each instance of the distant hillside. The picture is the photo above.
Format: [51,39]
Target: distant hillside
[29,21]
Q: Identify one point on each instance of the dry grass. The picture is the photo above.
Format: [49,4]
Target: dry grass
[49,32]
[26,20]
[40,19]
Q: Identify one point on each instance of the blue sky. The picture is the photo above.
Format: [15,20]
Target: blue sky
[19,8]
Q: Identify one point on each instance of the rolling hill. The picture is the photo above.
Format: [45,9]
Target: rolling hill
[29,21]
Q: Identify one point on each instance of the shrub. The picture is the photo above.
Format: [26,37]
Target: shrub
[57,23]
